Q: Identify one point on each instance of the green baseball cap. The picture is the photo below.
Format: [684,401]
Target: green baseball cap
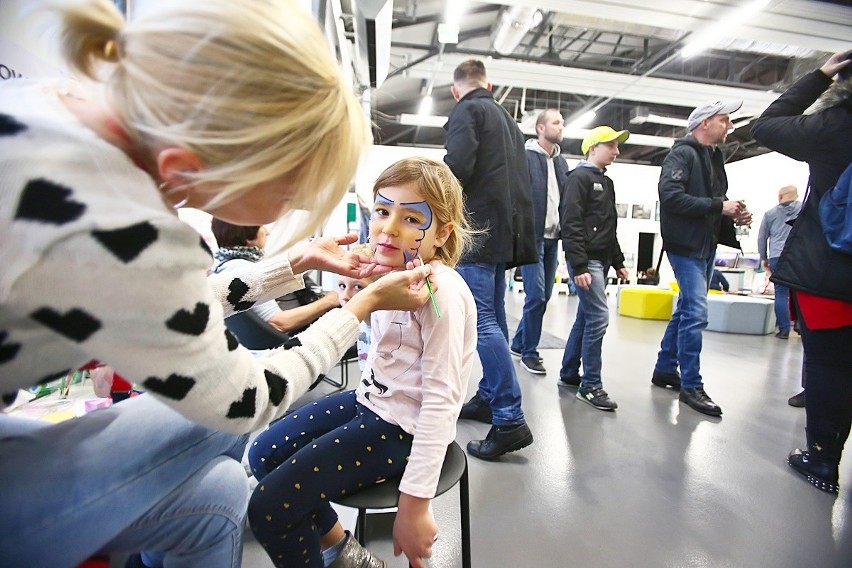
[603,134]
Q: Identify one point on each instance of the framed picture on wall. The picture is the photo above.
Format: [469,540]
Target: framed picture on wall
[621,210]
[657,212]
[641,212]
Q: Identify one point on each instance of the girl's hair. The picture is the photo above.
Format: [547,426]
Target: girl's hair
[228,235]
[441,190]
[250,87]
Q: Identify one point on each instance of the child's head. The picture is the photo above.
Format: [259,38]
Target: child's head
[347,287]
[418,210]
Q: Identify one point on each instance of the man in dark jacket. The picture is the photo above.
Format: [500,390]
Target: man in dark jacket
[548,180]
[485,151]
[695,216]
[588,219]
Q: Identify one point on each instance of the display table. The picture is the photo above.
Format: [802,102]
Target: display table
[731,313]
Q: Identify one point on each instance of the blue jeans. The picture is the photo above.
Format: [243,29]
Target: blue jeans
[538,287]
[136,476]
[586,338]
[782,301]
[681,344]
[499,384]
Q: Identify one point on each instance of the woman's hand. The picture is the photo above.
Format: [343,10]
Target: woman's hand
[326,253]
[404,290]
[836,63]
[414,530]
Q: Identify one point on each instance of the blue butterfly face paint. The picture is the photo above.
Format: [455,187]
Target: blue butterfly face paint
[401,226]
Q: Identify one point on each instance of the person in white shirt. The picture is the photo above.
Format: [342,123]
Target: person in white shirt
[402,416]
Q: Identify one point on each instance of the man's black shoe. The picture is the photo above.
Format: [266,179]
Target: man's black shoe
[666,380]
[783,334]
[477,408]
[573,382]
[698,400]
[533,365]
[501,440]
[797,400]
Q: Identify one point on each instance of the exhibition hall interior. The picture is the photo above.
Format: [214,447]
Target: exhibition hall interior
[654,483]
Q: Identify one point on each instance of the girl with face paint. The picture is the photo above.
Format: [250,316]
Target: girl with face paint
[402,416]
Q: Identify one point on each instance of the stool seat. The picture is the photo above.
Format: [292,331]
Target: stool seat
[740,314]
[386,495]
[645,302]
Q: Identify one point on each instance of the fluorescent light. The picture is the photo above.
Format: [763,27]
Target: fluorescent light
[422,120]
[425,106]
[581,121]
[715,32]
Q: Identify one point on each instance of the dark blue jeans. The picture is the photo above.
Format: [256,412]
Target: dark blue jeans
[782,301]
[681,344]
[586,338]
[538,287]
[499,384]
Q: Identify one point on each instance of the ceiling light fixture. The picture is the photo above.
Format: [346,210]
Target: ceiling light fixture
[717,31]
[581,121]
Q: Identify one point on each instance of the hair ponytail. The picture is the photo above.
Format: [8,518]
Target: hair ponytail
[90,34]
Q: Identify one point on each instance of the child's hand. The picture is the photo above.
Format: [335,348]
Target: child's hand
[414,530]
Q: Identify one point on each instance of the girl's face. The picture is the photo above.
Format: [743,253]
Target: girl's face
[402,227]
[348,287]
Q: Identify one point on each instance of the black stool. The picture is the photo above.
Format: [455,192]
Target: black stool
[386,495]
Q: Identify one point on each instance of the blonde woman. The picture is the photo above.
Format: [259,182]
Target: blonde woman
[235,108]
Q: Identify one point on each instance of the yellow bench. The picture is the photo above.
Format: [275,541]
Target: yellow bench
[646,303]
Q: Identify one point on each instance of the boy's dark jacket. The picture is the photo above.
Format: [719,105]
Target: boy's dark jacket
[691,220]
[588,219]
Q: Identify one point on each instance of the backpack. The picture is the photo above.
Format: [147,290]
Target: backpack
[835,213]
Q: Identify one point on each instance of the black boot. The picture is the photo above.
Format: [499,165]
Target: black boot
[819,464]
[477,408]
[501,440]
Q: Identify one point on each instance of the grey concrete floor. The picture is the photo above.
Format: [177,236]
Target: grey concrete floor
[654,484]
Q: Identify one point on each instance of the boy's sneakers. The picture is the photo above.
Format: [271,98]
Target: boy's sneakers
[597,398]
[533,365]
[573,381]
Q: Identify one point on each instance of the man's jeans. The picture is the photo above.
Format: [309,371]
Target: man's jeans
[134,477]
[499,385]
[782,300]
[538,286]
[586,338]
[681,342]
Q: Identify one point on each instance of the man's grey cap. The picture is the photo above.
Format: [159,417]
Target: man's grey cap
[711,109]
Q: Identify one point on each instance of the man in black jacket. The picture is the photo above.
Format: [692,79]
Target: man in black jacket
[588,218]
[548,179]
[695,216]
[485,151]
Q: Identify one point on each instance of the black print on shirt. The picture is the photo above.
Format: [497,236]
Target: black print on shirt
[190,323]
[277,387]
[175,387]
[9,350]
[244,408]
[129,242]
[75,324]
[9,126]
[237,290]
[48,202]
[232,341]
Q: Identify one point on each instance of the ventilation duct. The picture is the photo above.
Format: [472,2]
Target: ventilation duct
[373,19]
[512,26]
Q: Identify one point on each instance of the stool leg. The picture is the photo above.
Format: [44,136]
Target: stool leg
[464,505]
[361,527]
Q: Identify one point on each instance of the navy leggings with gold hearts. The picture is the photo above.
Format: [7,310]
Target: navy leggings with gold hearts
[323,450]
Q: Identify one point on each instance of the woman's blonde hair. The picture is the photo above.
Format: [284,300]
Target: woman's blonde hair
[442,191]
[250,87]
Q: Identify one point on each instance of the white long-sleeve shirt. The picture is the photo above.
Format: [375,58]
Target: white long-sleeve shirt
[417,372]
[93,265]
